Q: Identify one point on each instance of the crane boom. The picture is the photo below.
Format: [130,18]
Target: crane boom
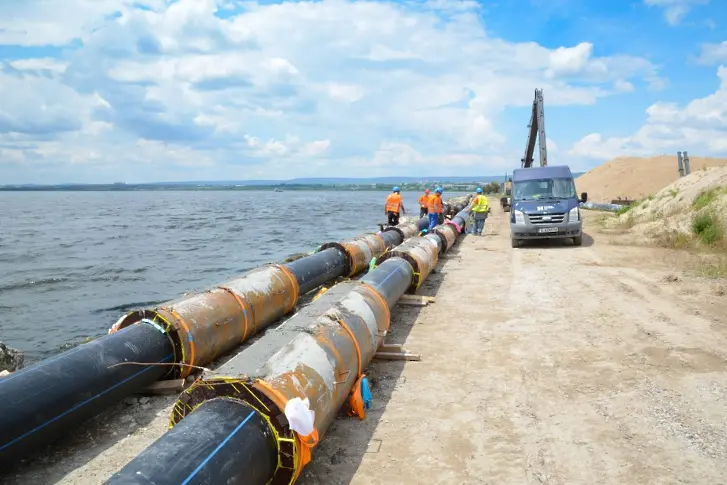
[536,131]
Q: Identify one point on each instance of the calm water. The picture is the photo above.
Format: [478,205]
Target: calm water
[71,263]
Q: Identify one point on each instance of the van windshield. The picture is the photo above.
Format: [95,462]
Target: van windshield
[544,189]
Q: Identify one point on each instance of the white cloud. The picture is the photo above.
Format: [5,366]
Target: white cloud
[237,88]
[713,53]
[675,10]
[700,126]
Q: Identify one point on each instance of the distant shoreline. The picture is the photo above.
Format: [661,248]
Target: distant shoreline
[454,184]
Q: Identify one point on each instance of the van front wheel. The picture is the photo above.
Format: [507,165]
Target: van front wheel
[514,243]
[578,240]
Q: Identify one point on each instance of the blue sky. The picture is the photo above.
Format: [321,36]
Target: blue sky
[161,90]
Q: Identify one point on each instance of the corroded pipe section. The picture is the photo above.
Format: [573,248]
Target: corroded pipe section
[359,251]
[448,236]
[405,230]
[206,325]
[422,253]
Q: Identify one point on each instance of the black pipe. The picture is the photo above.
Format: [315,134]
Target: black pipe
[39,403]
[222,441]
[391,279]
[314,270]
[159,462]
[391,238]
[461,218]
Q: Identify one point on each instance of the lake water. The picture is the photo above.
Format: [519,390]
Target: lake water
[71,263]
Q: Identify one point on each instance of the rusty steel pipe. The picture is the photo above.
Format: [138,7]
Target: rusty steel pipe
[359,251]
[422,253]
[322,361]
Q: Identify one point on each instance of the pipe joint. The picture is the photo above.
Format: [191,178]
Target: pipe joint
[422,253]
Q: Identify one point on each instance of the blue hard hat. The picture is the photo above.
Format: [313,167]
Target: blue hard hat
[396,189]
[479,190]
[439,190]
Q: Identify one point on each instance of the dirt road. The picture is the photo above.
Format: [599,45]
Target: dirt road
[603,364]
[549,364]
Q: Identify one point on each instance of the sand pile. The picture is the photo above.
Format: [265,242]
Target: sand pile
[635,178]
[681,212]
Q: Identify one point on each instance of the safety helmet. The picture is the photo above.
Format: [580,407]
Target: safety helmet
[479,190]
[396,189]
[426,191]
[439,190]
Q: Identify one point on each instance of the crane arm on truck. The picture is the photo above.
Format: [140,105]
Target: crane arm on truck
[536,132]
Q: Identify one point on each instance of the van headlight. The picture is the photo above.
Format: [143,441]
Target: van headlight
[519,217]
[575,214]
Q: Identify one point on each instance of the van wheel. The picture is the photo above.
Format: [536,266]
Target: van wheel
[578,240]
[514,243]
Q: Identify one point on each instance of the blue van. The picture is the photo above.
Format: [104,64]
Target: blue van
[545,205]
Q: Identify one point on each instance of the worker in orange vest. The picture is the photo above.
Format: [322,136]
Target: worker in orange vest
[435,207]
[393,205]
[424,204]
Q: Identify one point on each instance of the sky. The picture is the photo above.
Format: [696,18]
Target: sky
[99,91]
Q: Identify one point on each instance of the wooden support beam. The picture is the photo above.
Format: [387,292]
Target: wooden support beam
[416,300]
[171,386]
[404,355]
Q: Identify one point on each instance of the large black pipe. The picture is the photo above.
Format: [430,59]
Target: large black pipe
[314,270]
[41,402]
[209,447]
[390,279]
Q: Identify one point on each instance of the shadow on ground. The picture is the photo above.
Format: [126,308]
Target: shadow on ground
[348,440]
[555,243]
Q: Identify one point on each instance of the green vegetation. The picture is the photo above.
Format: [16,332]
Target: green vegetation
[713,268]
[626,208]
[707,228]
[706,197]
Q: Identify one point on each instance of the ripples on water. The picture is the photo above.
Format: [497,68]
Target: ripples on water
[71,263]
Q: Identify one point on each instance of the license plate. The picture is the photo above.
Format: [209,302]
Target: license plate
[548,229]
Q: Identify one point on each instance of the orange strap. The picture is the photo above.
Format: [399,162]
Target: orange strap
[305,443]
[384,305]
[188,337]
[293,282]
[242,306]
[355,344]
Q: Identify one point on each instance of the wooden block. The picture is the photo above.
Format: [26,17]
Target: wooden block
[397,356]
[390,348]
[171,386]
[412,303]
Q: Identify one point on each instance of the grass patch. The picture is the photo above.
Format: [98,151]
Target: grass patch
[673,240]
[674,193]
[706,197]
[707,228]
[712,268]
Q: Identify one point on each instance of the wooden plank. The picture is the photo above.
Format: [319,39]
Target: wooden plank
[413,303]
[390,348]
[422,298]
[171,386]
[398,356]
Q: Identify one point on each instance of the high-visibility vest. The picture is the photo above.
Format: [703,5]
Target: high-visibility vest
[393,202]
[424,200]
[435,206]
[480,204]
